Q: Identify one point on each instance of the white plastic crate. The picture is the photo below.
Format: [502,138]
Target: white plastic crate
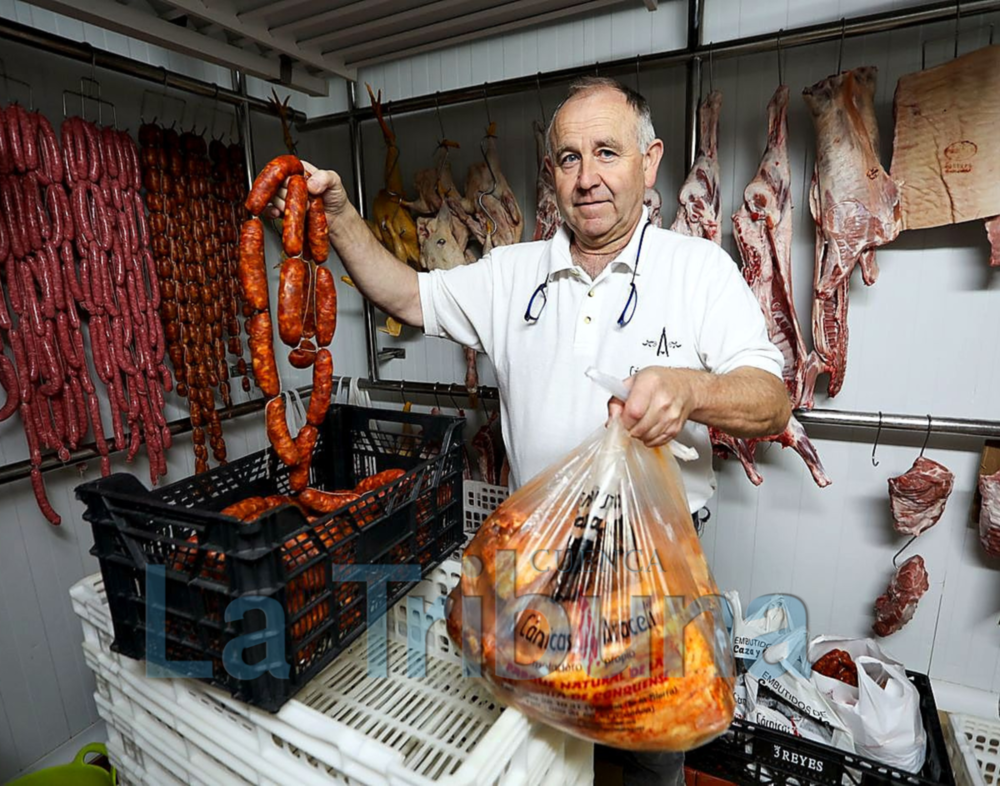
[344,727]
[979,744]
[480,500]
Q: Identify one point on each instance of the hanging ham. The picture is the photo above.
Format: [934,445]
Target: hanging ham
[946,153]
[854,203]
[918,496]
[699,198]
[989,513]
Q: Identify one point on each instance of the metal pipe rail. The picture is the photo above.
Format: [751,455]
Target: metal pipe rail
[986,429]
[84,52]
[799,36]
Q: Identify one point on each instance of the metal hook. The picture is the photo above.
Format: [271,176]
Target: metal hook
[437,111]
[711,67]
[843,33]
[781,78]
[637,74]
[958,16]
[927,436]
[905,545]
[597,68]
[541,104]
[486,102]
[878,433]
[991,35]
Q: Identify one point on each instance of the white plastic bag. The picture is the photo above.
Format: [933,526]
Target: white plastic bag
[885,721]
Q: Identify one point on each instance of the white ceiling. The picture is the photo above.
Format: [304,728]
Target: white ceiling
[303,42]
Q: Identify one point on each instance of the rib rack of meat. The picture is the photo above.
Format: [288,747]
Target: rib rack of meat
[854,203]
[547,219]
[699,199]
[495,216]
[896,606]
[989,513]
[918,496]
[763,230]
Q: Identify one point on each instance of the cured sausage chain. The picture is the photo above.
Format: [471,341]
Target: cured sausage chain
[193,192]
[306,309]
[73,237]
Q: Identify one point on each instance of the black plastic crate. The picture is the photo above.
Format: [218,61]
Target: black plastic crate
[210,559]
[749,753]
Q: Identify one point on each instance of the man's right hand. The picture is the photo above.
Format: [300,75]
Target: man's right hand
[320,182]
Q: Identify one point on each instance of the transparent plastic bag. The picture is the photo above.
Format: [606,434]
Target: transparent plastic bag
[586,602]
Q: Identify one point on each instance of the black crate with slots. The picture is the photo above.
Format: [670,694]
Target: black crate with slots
[207,560]
[749,753]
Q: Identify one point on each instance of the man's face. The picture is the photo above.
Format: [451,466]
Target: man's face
[600,174]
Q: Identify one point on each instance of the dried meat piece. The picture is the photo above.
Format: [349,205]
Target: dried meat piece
[897,605]
[989,513]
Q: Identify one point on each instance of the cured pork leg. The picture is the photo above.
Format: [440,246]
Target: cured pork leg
[918,496]
[699,198]
[853,201]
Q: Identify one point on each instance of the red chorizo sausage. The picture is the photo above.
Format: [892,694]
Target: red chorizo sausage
[298,478]
[291,300]
[278,434]
[265,370]
[267,183]
[317,231]
[253,274]
[326,501]
[294,225]
[326,306]
[319,402]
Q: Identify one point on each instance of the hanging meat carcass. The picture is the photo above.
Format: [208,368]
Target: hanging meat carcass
[896,607]
[547,218]
[918,496]
[391,224]
[989,513]
[946,147]
[699,198]
[763,231]
[854,203]
[495,218]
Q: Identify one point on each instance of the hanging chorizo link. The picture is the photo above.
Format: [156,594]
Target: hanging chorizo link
[326,306]
[319,402]
[291,300]
[317,231]
[278,434]
[265,371]
[253,274]
[294,226]
[305,442]
[267,183]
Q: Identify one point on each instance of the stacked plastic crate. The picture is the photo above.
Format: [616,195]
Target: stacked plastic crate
[346,726]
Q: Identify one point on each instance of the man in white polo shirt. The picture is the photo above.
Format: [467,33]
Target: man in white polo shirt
[669,314]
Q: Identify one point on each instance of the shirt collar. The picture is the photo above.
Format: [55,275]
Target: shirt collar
[560,258]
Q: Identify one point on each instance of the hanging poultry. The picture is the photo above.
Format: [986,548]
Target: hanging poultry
[495,218]
[391,223]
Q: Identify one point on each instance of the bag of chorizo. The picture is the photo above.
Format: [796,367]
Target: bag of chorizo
[586,602]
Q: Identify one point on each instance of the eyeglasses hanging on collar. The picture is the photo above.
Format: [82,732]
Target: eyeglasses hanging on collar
[536,306]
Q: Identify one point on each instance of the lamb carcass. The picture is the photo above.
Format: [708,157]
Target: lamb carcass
[654,204]
[897,605]
[918,496]
[993,233]
[547,218]
[699,198]
[989,513]
[495,218]
[854,203]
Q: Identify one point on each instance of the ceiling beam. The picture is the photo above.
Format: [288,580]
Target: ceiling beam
[405,20]
[366,8]
[489,22]
[223,13]
[151,29]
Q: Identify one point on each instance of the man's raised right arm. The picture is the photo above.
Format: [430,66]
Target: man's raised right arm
[379,276]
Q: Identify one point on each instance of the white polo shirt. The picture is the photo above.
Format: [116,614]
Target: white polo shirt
[694,311]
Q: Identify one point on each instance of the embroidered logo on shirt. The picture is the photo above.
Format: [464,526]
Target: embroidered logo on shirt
[663,345]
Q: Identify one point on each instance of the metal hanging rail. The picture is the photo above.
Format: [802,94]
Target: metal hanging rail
[799,36]
[84,52]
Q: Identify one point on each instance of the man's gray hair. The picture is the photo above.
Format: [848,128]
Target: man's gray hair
[638,104]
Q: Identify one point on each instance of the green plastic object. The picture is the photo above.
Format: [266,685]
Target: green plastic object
[79,773]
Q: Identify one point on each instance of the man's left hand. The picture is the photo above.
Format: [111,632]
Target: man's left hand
[660,402]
